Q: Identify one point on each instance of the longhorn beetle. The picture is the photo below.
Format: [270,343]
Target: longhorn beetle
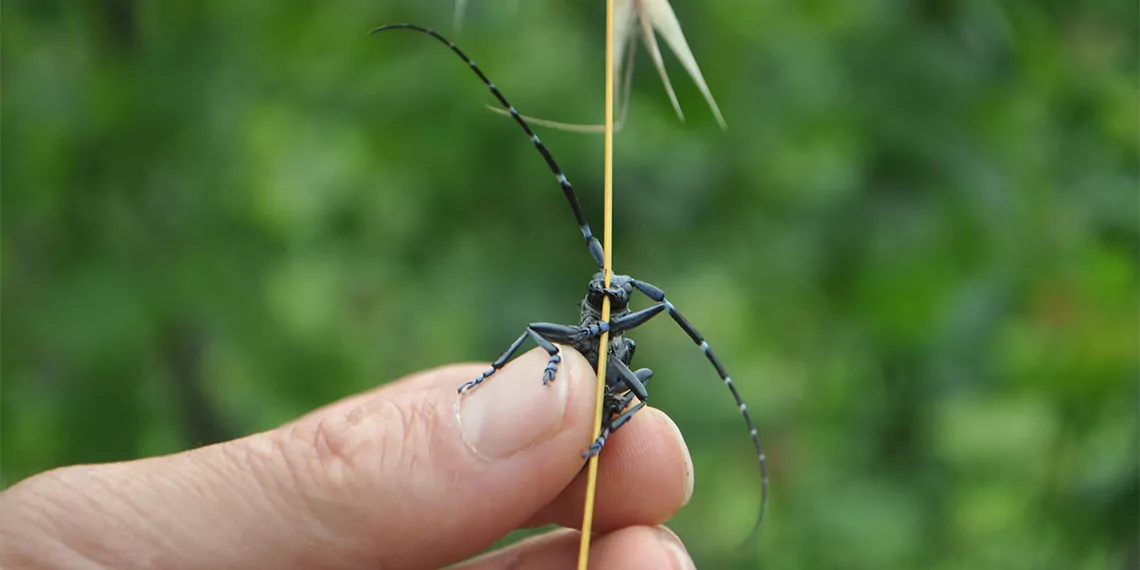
[623,385]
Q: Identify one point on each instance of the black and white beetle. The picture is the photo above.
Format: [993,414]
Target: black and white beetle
[623,385]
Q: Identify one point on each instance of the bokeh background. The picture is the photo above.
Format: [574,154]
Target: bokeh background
[915,246]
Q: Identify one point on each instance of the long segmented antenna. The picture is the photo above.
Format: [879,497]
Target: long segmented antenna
[656,294]
[591,242]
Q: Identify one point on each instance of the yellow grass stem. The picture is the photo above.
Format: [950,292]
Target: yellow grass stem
[607,244]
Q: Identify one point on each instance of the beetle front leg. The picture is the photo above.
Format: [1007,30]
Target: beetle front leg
[542,334]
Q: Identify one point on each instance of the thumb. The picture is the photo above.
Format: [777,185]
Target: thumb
[409,475]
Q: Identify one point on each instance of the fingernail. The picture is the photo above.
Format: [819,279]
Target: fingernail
[513,410]
[678,556]
[689,473]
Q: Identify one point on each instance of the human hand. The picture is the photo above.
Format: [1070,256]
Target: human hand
[409,475]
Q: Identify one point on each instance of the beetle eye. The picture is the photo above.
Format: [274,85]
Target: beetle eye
[594,297]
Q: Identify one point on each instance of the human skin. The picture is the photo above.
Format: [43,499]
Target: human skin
[409,475]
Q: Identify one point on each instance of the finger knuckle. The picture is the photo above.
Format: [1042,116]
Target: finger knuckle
[346,451]
[410,436]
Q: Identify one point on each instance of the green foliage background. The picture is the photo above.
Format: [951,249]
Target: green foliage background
[915,247]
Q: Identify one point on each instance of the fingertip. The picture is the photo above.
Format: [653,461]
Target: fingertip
[678,554]
[513,410]
[644,476]
[630,548]
[670,427]
[584,379]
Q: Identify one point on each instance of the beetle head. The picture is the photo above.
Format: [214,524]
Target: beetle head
[619,292]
